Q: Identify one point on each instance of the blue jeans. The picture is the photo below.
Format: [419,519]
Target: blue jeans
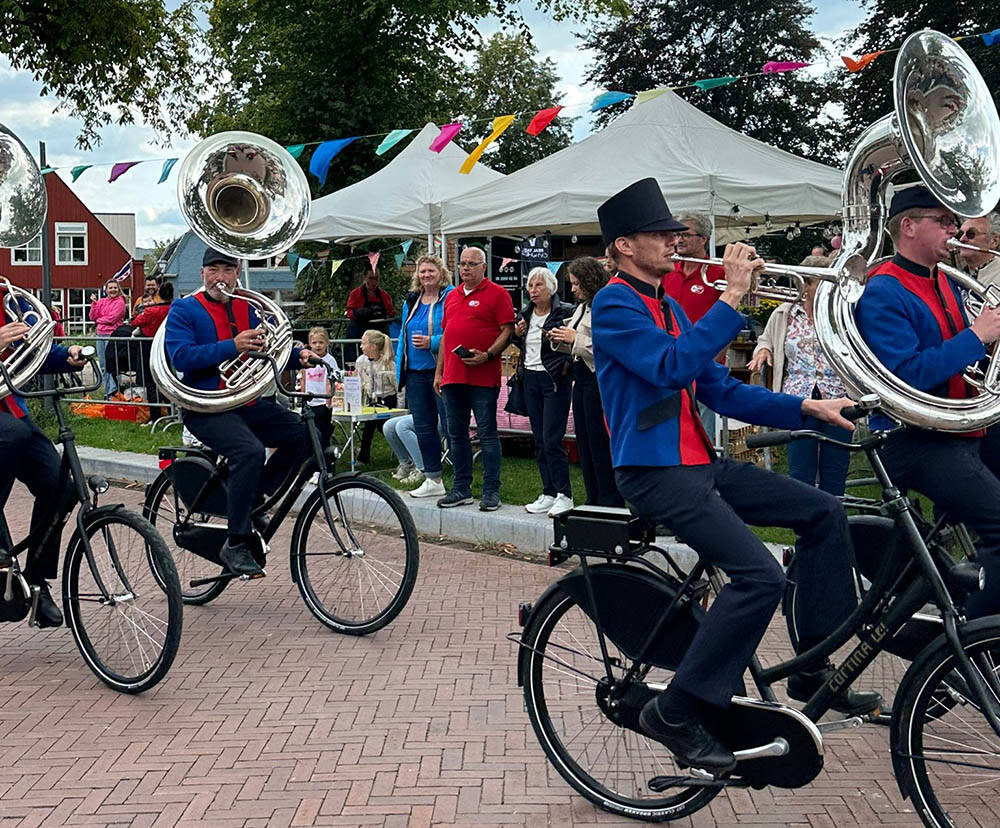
[807,458]
[402,439]
[110,386]
[427,409]
[460,402]
[548,409]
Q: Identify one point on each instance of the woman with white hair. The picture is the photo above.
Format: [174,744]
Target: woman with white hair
[548,385]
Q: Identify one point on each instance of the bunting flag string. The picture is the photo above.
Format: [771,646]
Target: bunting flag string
[373,259]
[326,151]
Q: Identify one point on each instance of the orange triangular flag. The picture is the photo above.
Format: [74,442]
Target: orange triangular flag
[859,64]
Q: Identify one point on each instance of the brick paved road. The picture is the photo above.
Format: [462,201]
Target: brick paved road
[267,718]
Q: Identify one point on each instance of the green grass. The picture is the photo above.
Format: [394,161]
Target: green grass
[117,435]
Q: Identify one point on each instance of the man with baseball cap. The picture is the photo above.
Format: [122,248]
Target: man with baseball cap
[652,366]
[202,331]
[912,317]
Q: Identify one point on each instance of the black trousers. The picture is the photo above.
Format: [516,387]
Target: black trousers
[708,507]
[241,436]
[369,429]
[26,454]
[951,472]
[548,410]
[592,440]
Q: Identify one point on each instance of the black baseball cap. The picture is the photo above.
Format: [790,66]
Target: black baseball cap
[639,208]
[216,257]
[916,196]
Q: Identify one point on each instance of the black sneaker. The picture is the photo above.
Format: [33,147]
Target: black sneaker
[48,614]
[687,740]
[454,498]
[803,686]
[239,559]
[489,503]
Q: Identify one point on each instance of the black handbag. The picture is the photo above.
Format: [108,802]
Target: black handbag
[515,396]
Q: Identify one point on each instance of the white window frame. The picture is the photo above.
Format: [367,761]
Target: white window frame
[71,229]
[33,246]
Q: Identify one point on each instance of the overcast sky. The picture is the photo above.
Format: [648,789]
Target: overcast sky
[33,119]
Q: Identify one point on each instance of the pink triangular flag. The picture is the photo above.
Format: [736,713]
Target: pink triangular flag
[775,66]
[505,261]
[373,258]
[448,131]
[120,169]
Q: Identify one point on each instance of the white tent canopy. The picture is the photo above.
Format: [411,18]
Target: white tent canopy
[700,165]
[403,199]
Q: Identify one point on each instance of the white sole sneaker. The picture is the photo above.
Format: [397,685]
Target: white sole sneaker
[429,488]
[540,506]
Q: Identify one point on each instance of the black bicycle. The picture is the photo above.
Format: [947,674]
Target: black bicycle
[120,591]
[604,639]
[354,551]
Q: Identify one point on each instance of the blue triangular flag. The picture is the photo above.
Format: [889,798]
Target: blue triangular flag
[399,260]
[391,140]
[406,246]
[319,164]
[991,38]
[303,263]
[554,267]
[168,165]
[292,259]
[608,98]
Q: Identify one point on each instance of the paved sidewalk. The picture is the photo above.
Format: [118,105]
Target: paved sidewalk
[267,718]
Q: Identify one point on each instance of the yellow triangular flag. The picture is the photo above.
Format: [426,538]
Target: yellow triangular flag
[335,265]
[649,94]
[499,125]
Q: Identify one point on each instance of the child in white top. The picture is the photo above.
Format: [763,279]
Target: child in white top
[316,380]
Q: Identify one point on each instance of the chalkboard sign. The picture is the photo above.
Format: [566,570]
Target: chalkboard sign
[509,277]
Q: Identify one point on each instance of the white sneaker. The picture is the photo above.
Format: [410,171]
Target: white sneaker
[415,476]
[429,488]
[402,471]
[562,503]
[542,504]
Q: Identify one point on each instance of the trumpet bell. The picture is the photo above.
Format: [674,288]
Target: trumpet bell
[949,123]
[23,198]
[243,194]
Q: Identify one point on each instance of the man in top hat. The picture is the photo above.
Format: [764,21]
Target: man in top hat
[652,366]
[912,317]
[203,330]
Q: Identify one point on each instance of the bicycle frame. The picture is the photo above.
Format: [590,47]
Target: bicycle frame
[69,466]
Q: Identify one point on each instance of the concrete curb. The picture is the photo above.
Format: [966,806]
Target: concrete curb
[531,534]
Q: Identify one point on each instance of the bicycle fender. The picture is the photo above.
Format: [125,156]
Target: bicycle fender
[932,650]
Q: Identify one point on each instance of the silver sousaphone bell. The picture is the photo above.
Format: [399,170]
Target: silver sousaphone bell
[244,195]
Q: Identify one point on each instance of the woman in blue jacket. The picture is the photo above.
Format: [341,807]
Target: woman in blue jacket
[416,359]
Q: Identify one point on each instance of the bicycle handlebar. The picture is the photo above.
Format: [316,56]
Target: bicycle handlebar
[853,412]
[88,352]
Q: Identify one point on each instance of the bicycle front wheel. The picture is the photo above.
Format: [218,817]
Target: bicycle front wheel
[358,578]
[945,752]
[610,765]
[129,631]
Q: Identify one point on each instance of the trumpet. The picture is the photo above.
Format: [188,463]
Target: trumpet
[850,277]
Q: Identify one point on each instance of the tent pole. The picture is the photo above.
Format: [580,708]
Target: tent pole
[430,243]
[711,249]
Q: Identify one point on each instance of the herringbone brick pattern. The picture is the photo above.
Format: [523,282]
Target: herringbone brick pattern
[267,718]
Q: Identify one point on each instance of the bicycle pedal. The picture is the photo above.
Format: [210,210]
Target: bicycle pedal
[254,576]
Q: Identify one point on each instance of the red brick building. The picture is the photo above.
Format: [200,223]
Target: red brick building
[84,254]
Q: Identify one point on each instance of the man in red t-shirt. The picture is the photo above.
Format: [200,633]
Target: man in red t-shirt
[479,318]
[686,284]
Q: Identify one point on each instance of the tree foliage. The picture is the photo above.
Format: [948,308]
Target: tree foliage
[887,25]
[107,61]
[508,77]
[665,43]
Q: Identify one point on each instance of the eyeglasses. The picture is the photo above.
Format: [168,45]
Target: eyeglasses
[944,221]
[471,264]
[969,234]
[689,233]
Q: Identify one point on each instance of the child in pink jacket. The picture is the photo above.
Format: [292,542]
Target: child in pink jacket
[108,312]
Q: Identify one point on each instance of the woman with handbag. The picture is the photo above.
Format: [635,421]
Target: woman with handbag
[416,359]
[586,277]
[547,382]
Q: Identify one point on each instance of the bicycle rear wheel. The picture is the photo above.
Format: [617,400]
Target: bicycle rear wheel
[609,764]
[165,510]
[129,635]
[945,753]
[360,580]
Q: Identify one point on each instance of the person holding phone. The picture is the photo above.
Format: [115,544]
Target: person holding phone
[479,317]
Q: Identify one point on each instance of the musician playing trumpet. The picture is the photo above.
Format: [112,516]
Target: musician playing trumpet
[912,317]
[26,454]
[203,330]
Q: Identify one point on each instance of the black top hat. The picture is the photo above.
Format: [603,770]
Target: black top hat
[216,257]
[917,196]
[639,208]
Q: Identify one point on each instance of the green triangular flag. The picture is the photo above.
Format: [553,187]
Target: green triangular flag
[295,150]
[711,83]
[76,172]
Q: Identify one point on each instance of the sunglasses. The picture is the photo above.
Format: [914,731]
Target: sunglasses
[968,234]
